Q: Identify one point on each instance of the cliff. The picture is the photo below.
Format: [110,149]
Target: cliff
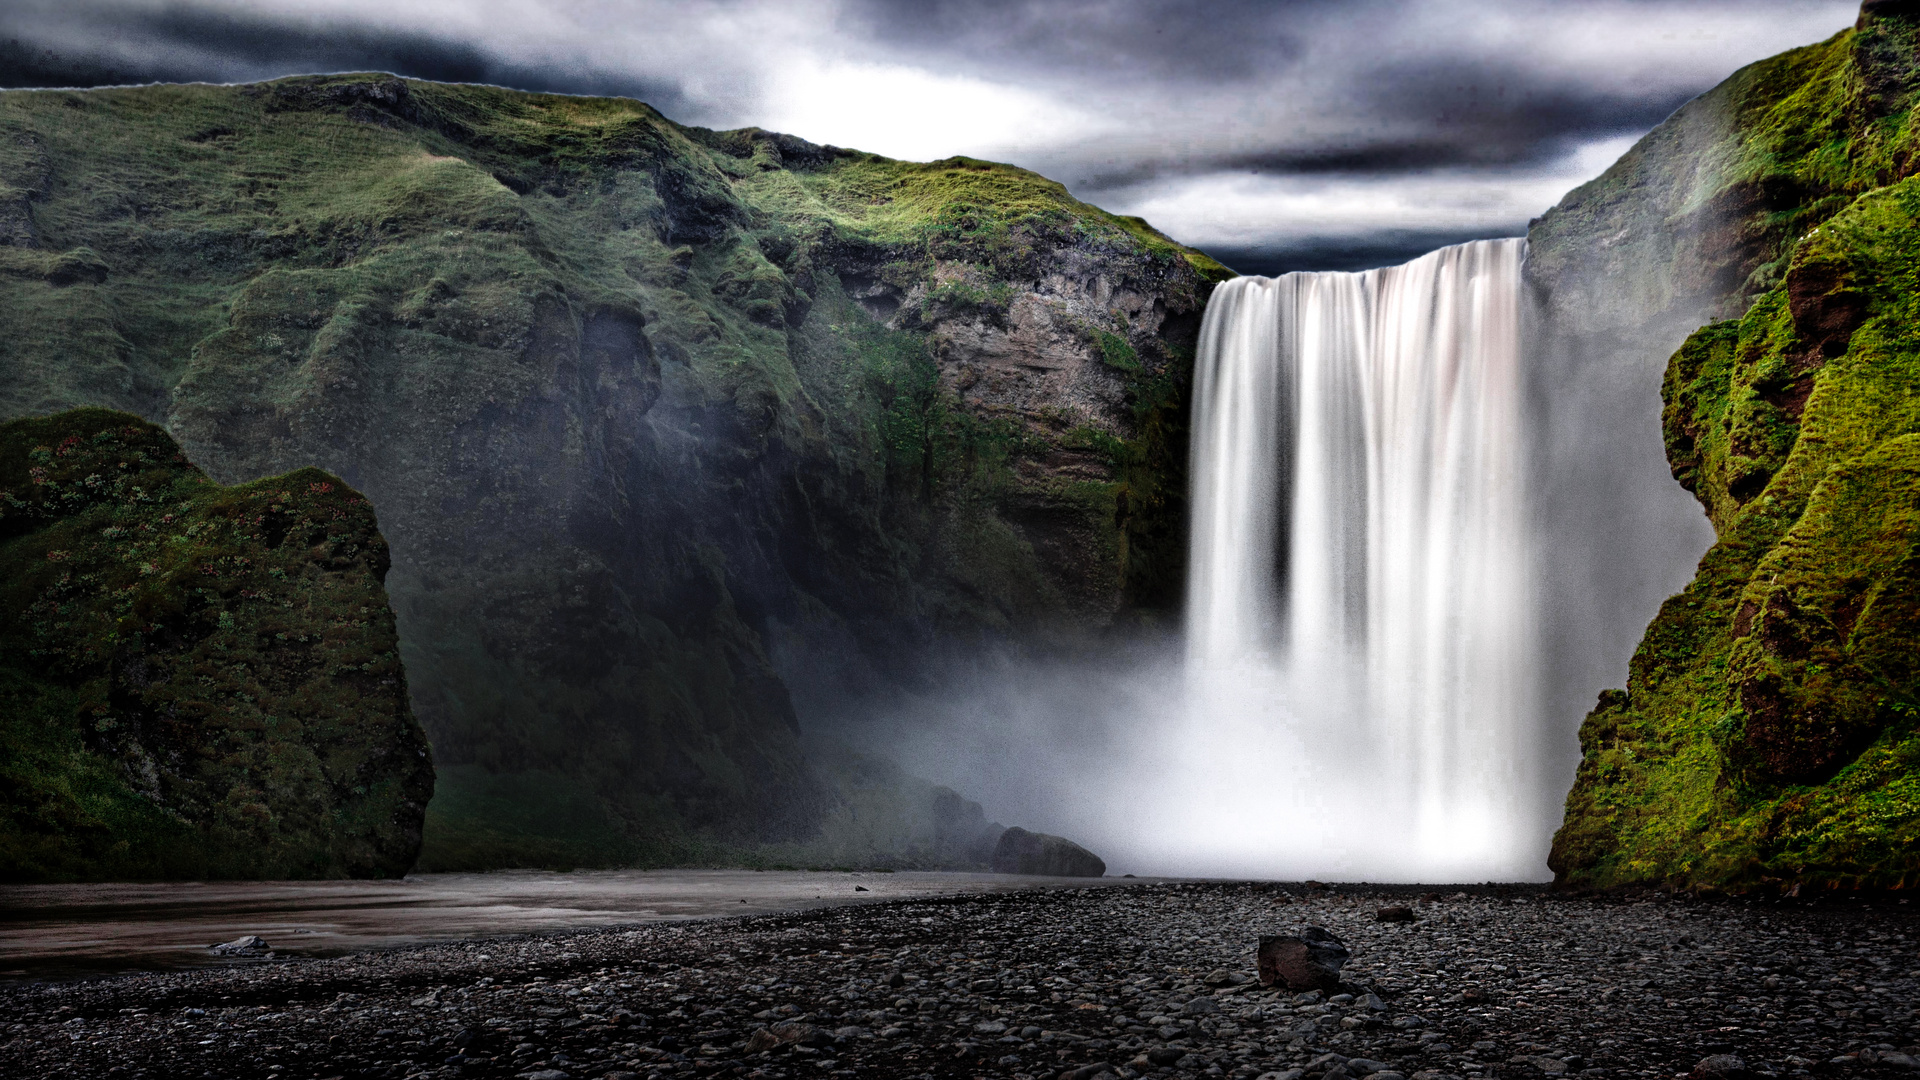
[668,427]
[1765,737]
[195,680]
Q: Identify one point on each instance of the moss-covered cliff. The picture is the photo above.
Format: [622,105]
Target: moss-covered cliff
[195,680]
[1766,735]
[665,424]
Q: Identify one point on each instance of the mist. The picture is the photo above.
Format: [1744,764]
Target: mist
[1353,695]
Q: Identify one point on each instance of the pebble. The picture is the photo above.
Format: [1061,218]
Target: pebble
[1489,983]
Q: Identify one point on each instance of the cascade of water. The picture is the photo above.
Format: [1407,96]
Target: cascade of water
[1359,557]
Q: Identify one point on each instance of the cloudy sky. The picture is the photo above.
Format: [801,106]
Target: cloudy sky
[1278,134]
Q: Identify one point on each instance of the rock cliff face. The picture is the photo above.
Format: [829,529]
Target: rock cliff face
[195,680]
[664,424]
[1765,737]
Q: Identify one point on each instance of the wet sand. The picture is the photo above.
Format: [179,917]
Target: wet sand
[55,931]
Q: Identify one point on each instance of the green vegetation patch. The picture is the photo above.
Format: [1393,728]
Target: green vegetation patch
[195,680]
[1766,736]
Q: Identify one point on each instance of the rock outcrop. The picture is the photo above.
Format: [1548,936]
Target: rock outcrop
[671,429]
[1765,737]
[195,680]
[1021,852]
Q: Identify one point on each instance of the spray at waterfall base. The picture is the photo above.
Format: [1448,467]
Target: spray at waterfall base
[1353,696]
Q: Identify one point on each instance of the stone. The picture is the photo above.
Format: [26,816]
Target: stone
[1309,960]
[249,945]
[784,1033]
[1552,1066]
[1364,1066]
[1163,1056]
[1719,1067]
[1023,852]
[1201,1006]
[1395,914]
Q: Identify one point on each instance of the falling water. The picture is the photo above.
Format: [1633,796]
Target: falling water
[1360,559]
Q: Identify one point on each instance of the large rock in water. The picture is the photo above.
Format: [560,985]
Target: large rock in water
[1023,852]
[1765,737]
[680,437]
[196,681]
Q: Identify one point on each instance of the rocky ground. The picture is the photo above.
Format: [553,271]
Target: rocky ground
[1154,980]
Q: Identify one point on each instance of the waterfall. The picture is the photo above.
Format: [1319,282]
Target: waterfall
[1360,556]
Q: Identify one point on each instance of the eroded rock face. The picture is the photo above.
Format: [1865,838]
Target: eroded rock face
[195,680]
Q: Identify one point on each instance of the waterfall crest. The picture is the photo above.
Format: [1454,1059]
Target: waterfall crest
[1360,557]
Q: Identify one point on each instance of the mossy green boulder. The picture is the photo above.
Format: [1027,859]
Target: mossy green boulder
[1766,737]
[196,681]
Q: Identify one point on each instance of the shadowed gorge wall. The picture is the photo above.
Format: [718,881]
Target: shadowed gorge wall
[195,681]
[1765,734]
[666,426]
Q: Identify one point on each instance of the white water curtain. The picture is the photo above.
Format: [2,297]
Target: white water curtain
[1359,545]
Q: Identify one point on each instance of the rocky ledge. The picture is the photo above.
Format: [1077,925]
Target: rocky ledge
[1154,980]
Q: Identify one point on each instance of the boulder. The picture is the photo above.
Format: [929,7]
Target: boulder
[1023,852]
[1719,1067]
[197,681]
[1309,960]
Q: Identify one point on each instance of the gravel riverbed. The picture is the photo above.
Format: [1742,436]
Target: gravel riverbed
[1151,980]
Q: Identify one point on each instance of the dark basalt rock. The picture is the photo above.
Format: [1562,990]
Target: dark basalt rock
[1309,960]
[1023,852]
[1719,1067]
[196,681]
[250,945]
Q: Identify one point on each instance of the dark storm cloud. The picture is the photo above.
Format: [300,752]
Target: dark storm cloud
[108,44]
[1386,247]
[1218,42]
[1391,104]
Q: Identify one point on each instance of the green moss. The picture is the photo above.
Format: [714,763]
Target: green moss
[198,681]
[1766,734]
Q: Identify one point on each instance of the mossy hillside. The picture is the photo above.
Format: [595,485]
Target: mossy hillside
[1704,211]
[1766,735]
[195,680]
[628,394]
